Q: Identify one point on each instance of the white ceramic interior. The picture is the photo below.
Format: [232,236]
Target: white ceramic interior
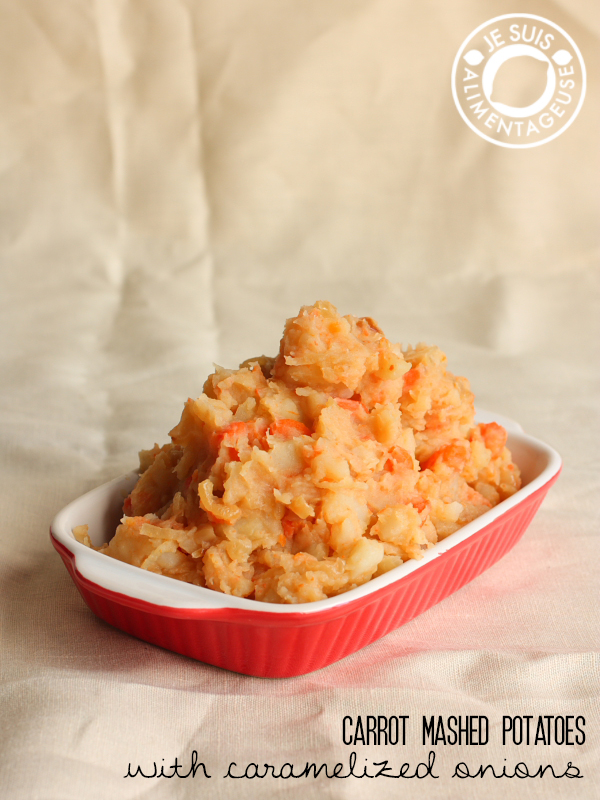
[102,507]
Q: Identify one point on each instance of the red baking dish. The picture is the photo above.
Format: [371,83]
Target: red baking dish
[279,641]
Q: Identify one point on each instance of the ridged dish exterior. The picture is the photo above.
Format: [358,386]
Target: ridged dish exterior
[284,645]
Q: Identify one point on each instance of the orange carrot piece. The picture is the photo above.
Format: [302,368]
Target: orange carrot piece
[288,428]
[494,436]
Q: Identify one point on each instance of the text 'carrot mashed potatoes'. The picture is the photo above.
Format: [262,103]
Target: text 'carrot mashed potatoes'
[300,477]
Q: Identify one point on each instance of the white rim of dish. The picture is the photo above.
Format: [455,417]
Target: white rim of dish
[134,582]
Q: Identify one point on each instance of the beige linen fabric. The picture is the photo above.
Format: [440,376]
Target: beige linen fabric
[176,178]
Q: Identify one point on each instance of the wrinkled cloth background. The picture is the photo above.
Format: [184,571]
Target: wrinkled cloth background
[177,178]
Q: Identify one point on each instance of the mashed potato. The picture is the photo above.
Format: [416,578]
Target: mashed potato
[300,477]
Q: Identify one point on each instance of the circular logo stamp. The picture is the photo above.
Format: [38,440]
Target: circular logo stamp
[518,80]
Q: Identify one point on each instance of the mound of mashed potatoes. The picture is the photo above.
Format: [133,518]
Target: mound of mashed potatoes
[295,478]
